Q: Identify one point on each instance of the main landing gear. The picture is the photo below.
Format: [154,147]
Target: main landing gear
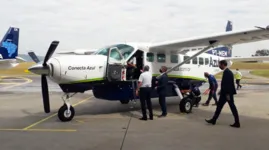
[67,111]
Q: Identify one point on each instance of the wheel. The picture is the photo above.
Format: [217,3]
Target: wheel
[63,114]
[185,105]
[124,101]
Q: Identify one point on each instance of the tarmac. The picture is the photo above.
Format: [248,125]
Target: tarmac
[107,125]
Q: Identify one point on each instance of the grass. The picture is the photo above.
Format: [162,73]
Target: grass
[260,69]
[263,73]
[20,69]
[219,76]
[250,66]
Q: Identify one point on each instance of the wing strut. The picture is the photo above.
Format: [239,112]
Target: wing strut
[212,44]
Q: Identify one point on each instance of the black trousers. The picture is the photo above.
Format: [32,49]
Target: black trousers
[237,81]
[130,73]
[221,103]
[212,94]
[162,102]
[145,98]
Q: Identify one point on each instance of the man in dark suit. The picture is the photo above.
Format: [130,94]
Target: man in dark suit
[227,93]
[161,90]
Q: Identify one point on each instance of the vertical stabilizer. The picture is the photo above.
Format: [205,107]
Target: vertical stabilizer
[223,51]
[9,44]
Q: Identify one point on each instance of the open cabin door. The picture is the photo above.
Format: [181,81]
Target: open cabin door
[115,69]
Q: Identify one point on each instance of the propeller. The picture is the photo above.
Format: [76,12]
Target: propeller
[44,83]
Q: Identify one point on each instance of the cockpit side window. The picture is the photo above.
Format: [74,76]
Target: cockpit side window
[115,54]
[124,49]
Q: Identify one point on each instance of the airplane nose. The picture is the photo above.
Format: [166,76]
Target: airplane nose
[39,69]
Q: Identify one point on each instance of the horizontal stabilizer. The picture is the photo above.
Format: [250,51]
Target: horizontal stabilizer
[19,59]
[33,56]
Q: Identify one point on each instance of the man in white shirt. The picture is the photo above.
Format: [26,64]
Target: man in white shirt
[144,88]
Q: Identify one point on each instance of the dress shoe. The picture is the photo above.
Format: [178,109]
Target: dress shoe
[210,121]
[235,125]
[205,104]
[143,118]
[150,118]
[161,116]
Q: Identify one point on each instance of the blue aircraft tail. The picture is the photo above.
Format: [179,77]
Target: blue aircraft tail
[224,51]
[10,44]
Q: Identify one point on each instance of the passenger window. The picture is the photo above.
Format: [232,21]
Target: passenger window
[174,58]
[186,57]
[150,57]
[161,58]
[206,61]
[194,60]
[201,60]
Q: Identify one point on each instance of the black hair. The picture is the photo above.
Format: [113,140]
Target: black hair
[164,68]
[223,62]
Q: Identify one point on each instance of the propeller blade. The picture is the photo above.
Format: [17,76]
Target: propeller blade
[45,94]
[51,50]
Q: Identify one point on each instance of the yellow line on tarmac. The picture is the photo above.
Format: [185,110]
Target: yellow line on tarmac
[10,82]
[18,84]
[38,122]
[46,130]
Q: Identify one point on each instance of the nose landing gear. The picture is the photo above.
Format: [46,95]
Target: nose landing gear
[67,111]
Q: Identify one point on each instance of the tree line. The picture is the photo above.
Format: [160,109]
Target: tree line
[261,52]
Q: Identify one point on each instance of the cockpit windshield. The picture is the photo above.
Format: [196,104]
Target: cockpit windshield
[124,49]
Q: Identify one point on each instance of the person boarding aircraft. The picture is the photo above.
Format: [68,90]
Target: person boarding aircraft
[104,71]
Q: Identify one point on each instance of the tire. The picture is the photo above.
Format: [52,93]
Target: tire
[124,101]
[62,113]
[185,105]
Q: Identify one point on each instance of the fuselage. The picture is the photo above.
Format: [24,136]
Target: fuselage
[79,73]
[68,69]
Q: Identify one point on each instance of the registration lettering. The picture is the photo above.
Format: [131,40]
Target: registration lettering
[81,67]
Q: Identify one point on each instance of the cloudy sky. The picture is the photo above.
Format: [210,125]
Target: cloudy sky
[89,24]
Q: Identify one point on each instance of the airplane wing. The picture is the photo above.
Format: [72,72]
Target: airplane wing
[226,38]
[78,52]
[223,38]
[254,58]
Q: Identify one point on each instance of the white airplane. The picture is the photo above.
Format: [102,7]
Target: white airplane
[104,72]
[9,49]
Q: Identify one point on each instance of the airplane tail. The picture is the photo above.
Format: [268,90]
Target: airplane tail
[223,51]
[9,44]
